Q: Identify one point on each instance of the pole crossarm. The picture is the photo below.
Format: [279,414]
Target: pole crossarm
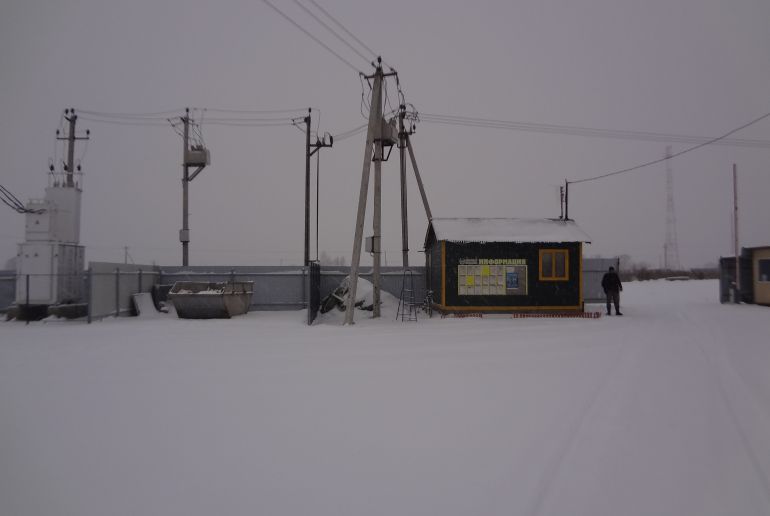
[197,171]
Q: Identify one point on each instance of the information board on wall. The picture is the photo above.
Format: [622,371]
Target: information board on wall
[492,277]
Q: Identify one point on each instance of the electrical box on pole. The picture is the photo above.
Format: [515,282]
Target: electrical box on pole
[196,155]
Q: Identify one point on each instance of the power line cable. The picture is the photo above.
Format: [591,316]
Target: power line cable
[243,119]
[352,132]
[156,114]
[336,22]
[9,195]
[157,122]
[9,199]
[583,131]
[308,34]
[255,111]
[235,123]
[336,35]
[672,156]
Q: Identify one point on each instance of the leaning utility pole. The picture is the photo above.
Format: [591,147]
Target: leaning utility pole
[378,136]
[418,178]
[373,132]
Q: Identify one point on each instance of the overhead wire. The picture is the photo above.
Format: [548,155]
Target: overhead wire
[583,131]
[334,33]
[9,199]
[254,120]
[672,156]
[235,123]
[256,111]
[157,115]
[351,132]
[358,129]
[338,24]
[153,119]
[158,122]
[311,36]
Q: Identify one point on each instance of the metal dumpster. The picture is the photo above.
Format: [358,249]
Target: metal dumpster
[211,300]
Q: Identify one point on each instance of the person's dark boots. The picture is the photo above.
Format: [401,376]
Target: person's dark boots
[618,313]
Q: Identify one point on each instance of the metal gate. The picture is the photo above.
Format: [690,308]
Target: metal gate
[314,291]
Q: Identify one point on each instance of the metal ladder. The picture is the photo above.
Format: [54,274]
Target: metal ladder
[407,307]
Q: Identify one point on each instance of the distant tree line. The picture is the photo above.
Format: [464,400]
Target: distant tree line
[640,271]
[325,259]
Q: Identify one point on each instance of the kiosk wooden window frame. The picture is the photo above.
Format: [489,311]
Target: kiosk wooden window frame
[763,270]
[551,275]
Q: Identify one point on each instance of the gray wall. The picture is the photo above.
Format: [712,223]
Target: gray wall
[593,270]
[285,287]
[7,289]
[113,284]
[275,288]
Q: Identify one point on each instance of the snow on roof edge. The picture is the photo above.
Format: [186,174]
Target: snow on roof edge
[480,230]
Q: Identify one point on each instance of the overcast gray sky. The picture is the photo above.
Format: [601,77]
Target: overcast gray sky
[692,67]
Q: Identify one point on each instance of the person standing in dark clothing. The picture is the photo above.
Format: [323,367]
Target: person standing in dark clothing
[612,288]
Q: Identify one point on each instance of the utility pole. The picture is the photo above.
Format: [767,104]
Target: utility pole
[199,157]
[317,146]
[307,187]
[373,132]
[566,200]
[402,166]
[737,247]
[418,178]
[561,201]
[377,220]
[184,234]
[378,136]
[72,118]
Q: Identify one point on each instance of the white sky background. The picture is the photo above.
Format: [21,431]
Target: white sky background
[690,67]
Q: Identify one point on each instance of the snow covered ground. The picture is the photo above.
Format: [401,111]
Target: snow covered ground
[665,411]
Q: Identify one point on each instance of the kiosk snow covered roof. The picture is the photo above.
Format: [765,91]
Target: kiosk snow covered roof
[505,264]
